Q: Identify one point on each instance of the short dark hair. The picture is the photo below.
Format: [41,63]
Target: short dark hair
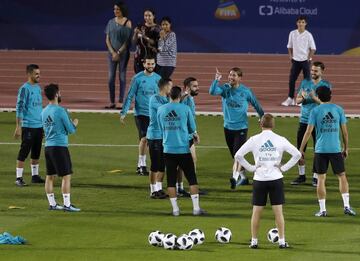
[31,67]
[188,80]
[123,8]
[324,93]
[301,17]
[163,82]
[237,70]
[319,64]
[175,92]
[166,19]
[267,121]
[149,57]
[51,90]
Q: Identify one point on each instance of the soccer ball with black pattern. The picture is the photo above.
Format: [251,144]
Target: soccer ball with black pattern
[169,241]
[223,235]
[184,242]
[273,235]
[156,238]
[197,236]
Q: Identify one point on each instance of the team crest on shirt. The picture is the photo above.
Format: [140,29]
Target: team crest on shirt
[49,122]
[267,146]
[328,119]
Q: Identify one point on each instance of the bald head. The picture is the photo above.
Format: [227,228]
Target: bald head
[267,121]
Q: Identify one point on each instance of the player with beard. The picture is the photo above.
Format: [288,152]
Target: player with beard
[191,89]
[235,101]
[143,85]
[57,126]
[28,125]
[307,98]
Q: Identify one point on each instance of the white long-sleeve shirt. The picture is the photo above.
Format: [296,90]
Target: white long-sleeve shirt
[301,43]
[267,149]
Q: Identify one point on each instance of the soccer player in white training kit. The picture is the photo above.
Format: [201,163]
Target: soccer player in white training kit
[267,149]
[328,119]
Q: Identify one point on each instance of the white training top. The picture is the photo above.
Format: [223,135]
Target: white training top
[301,43]
[267,149]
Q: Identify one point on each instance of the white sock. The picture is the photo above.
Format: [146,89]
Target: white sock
[322,204]
[142,160]
[346,199]
[174,204]
[254,241]
[281,241]
[158,185]
[195,201]
[139,161]
[66,198]
[19,172]
[34,169]
[152,188]
[51,199]
[315,175]
[242,174]
[301,169]
[181,185]
[236,175]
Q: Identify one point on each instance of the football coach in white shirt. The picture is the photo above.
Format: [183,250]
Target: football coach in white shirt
[267,149]
[301,48]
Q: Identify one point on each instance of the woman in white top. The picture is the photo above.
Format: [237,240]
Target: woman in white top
[167,50]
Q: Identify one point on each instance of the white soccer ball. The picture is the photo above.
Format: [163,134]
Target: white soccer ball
[197,236]
[184,242]
[169,241]
[156,238]
[273,235]
[223,235]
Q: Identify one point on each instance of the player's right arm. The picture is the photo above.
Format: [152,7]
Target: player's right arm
[215,89]
[240,155]
[20,107]
[129,98]
[70,126]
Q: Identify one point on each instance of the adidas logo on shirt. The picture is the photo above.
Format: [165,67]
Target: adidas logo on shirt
[267,146]
[328,119]
[49,122]
[172,116]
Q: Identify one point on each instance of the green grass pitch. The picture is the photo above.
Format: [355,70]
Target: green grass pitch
[117,214]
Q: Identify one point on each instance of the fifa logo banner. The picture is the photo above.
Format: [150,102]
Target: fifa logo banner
[227,10]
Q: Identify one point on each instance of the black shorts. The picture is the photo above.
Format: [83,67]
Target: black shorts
[58,161]
[273,188]
[185,162]
[300,135]
[322,162]
[142,124]
[235,139]
[156,155]
[31,140]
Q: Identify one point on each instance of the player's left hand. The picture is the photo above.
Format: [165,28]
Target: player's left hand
[345,153]
[122,119]
[196,138]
